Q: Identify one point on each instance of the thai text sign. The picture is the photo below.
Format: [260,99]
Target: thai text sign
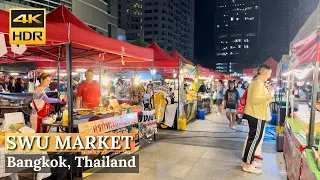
[108,124]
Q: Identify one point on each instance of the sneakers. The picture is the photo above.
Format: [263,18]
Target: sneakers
[218,114]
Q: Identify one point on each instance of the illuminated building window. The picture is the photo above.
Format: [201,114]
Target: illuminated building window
[232,18]
[239,46]
[246,46]
[218,25]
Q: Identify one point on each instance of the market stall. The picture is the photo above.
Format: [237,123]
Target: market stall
[70,41]
[304,117]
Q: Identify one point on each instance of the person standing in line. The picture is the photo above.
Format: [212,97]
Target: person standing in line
[219,97]
[257,113]
[231,101]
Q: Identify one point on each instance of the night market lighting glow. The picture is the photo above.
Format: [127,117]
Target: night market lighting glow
[153,71]
[136,80]
[81,70]
[14,74]
[48,70]
[174,75]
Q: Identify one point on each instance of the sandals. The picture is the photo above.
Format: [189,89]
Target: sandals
[252,170]
[256,164]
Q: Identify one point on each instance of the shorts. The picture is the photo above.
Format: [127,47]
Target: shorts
[219,101]
[231,110]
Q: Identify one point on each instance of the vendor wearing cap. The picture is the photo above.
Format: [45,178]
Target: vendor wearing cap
[88,92]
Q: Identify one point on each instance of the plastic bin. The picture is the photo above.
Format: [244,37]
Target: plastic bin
[182,124]
[274,119]
[201,114]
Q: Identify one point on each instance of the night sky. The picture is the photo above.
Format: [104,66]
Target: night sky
[270,38]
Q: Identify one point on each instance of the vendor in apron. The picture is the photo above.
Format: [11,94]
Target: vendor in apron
[40,104]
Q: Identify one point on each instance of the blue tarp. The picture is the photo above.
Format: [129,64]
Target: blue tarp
[270,134]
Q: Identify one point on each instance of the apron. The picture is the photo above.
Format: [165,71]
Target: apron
[43,113]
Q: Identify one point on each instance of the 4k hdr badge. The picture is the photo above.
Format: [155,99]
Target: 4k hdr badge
[27,26]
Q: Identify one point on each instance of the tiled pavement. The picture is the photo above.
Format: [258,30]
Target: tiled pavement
[208,150]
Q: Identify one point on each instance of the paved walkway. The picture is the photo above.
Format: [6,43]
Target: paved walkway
[208,150]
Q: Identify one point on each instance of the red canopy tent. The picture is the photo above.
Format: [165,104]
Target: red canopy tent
[273,64]
[87,45]
[176,55]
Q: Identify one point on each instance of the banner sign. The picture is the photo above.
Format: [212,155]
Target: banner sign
[147,124]
[108,124]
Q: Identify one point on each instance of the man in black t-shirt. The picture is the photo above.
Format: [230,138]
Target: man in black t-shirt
[231,98]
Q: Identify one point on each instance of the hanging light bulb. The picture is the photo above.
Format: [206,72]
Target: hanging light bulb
[153,71]
[174,75]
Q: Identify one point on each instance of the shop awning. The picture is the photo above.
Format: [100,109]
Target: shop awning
[304,45]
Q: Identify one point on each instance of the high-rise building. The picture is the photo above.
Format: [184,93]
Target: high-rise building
[170,23]
[237,34]
[100,15]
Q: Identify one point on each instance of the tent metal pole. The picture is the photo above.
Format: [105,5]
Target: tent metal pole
[288,90]
[152,75]
[178,108]
[58,83]
[313,105]
[100,75]
[69,94]
[69,86]
[292,93]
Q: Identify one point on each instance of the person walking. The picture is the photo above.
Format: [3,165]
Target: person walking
[240,89]
[231,101]
[219,97]
[245,85]
[257,113]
